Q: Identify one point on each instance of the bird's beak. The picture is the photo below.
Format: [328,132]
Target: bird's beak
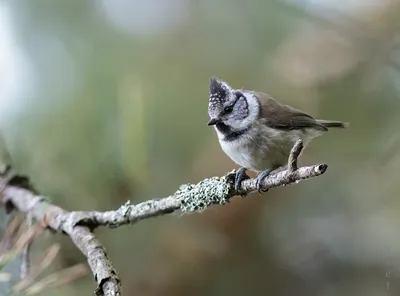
[213,121]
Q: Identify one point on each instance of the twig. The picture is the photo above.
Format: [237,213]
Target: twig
[56,279]
[294,156]
[65,222]
[38,268]
[26,260]
[189,198]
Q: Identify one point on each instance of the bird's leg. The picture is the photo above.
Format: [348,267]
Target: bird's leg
[239,177]
[260,178]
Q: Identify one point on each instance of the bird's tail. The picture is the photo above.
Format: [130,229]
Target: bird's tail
[331,123]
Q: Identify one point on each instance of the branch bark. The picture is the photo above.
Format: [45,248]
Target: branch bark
[79,226]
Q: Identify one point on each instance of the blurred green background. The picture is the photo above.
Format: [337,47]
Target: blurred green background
[104,101]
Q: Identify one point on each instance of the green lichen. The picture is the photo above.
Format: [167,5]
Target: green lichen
[212,191]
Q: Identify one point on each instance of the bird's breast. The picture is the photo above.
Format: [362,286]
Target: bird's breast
[240,151]
[261,147]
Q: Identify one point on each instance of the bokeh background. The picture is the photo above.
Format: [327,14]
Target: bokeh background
[106,101]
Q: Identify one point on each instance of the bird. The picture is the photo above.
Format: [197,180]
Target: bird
[256,131]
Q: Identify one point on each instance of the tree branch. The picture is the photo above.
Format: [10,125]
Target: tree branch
[189,198]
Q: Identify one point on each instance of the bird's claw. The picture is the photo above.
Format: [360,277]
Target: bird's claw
[239,177]
[261,190]
[260,178]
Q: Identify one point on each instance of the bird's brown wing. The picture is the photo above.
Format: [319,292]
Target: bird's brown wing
[280,116]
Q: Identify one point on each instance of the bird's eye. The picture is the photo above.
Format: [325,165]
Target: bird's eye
[228,109]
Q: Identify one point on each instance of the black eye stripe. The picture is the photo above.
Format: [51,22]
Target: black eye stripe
[228,108]
[238,95]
